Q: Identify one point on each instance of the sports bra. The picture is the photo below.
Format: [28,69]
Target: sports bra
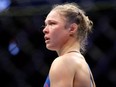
[47,82]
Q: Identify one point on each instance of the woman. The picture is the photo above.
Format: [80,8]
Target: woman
[66,30]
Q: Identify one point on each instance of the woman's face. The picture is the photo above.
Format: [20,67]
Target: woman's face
[56,34]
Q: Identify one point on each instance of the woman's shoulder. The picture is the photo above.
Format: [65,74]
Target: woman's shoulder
[69,60]
[61,66]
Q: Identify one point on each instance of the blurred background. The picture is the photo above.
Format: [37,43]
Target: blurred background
[24,59]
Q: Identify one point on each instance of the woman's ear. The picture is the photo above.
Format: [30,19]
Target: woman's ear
[73,28]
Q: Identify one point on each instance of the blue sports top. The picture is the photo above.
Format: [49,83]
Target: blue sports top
[47,82]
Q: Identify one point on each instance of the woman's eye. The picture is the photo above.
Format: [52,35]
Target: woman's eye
[52,23]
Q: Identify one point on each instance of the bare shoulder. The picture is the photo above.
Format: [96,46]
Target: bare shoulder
[75,60]
[61,63]
[62,72]
[69,61]
[70,69]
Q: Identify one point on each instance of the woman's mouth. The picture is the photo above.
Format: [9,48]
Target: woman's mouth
[46,39]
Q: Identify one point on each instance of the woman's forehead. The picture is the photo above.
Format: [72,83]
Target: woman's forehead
[55,16]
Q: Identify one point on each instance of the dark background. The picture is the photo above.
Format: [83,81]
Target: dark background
[24,59]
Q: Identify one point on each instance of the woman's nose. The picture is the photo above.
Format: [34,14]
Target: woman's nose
[45,30]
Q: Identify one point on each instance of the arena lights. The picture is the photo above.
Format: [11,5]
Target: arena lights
[4,4]
[13,48]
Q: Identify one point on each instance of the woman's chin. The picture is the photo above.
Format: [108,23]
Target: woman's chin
[50,48]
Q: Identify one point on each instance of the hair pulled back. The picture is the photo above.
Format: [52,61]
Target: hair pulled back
[74,14]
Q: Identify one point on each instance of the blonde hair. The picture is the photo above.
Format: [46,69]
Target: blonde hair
[73,14]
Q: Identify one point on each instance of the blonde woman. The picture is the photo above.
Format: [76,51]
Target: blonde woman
[66,30]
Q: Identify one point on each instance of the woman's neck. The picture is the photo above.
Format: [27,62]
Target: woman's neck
[70,46]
